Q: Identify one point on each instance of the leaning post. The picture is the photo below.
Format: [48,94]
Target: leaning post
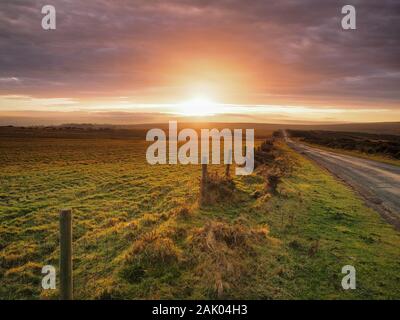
[66,279]
[228,164]
[203,186]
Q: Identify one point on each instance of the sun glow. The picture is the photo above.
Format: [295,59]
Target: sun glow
[198,107]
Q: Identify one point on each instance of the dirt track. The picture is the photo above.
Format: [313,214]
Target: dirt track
[378,183]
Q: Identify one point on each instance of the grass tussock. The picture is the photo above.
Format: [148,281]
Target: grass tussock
[218,189]
[218,253]
[148,255]
[183,213]
[272,164]
[154,249]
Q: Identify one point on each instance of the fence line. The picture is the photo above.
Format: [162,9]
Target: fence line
[66,276]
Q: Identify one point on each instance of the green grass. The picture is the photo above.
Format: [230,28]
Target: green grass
[348,233]
[139,233]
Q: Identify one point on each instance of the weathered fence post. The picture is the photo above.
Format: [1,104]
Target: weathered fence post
[66,286]
[228,170]
[203,187]
[228,165]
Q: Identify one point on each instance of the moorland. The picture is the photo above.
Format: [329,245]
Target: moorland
[140,232]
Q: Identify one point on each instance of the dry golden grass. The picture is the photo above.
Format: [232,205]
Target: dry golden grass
[139,231]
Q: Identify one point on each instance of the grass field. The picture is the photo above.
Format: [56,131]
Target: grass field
[139,232]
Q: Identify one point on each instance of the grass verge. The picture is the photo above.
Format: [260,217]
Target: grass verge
[139,233]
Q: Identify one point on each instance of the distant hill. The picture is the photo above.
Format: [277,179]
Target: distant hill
[139,130]
[378,127]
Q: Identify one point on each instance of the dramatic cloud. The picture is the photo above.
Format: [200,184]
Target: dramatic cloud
[240,52]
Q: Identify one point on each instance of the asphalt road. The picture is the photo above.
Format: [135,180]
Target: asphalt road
[377,182]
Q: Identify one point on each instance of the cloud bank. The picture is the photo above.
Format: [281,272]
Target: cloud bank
[240,52]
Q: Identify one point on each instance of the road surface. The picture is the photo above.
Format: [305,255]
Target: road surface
[377,182]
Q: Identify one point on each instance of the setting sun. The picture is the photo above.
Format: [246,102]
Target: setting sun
[199,106]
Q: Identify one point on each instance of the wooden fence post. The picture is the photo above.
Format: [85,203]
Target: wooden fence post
[228,165]
[203,187]
[228,170]
[66,286]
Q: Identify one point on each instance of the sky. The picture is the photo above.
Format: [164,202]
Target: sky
[144,61]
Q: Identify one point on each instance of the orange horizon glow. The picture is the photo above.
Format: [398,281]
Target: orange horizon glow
[121,110]
[190,61]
